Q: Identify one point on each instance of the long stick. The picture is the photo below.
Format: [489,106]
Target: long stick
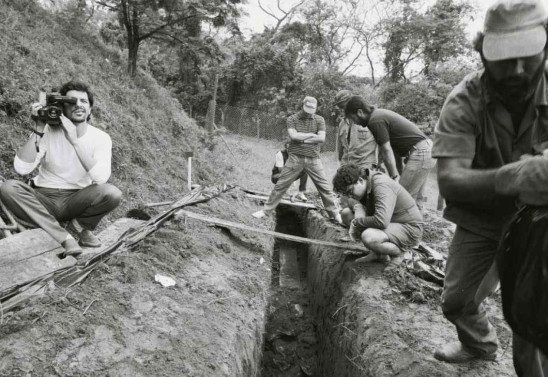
[288,202]
[282,236]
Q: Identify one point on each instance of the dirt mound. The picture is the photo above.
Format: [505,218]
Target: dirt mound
[120,322]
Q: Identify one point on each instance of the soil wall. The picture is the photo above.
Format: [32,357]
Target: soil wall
[370,321]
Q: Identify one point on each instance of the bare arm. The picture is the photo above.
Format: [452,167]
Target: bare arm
[299,136]
[316,139]
[389,159]
[460,183]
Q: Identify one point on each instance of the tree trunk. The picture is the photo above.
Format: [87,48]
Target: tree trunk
[133,49]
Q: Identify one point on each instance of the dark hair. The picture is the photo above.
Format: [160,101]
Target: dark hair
[79,86]
[356,103]
[347,175]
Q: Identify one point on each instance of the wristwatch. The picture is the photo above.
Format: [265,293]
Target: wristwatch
[38,133]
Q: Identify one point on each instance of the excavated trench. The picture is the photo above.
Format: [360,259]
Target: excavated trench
[301,334]
[290,341]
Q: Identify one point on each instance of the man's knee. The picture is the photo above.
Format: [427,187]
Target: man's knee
[347,216]
[10,188]
[111,194]
[453,304]
[372,237]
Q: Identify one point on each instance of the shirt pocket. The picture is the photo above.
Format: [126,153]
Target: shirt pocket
[363,134]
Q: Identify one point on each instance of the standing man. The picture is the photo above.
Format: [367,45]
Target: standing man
[355,145]
[488,128]
[306,130]
[73,160]
[398,138]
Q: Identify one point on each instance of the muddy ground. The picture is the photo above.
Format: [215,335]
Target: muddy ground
[120,322]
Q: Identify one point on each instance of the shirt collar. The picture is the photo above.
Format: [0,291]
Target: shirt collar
[305,115]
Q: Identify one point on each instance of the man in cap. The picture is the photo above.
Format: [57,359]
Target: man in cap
[398,138]
[306,130]
[488,128]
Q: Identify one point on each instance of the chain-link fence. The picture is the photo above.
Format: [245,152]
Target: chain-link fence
[251,122]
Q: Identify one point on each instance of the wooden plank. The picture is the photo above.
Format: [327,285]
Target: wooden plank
[283,236]
[28,255]
[283,201]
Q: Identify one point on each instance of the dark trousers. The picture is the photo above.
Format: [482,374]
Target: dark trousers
[46,207]
[470,257]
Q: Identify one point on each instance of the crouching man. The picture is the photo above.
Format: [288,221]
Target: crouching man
[74,164]
[386,216]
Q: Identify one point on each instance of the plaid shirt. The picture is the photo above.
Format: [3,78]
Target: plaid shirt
[305,123]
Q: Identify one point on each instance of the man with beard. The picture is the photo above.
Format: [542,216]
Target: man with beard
[398,138]
[74,164]
[488,129]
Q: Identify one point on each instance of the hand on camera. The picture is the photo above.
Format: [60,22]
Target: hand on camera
[34,114]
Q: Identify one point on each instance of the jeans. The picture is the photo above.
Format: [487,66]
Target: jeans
[293,168]
[45,207]
[415,172]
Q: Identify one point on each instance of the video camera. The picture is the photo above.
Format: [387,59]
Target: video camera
[53,109]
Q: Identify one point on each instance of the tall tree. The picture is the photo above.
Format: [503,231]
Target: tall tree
[428,38]
[166,19]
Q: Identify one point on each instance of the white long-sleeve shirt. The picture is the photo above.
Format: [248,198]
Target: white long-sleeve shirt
[60,167]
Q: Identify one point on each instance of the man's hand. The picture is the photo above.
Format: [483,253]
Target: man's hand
[352,231]
[69,129]
[34,112]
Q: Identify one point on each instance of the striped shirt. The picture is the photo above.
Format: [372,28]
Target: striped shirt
[305,123]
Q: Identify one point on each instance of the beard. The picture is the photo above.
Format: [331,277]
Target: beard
[515,90]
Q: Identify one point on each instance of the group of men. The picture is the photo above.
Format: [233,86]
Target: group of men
[378,208]
[489,144]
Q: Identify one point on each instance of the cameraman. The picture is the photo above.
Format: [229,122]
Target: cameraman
[74,164]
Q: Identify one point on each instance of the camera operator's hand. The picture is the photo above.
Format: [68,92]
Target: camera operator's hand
[40,125]
[69,129]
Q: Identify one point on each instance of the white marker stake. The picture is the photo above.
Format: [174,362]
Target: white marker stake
[189,155]
[189,169]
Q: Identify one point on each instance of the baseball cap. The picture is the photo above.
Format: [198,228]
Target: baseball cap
[310,104]
[342,96]
[514,29]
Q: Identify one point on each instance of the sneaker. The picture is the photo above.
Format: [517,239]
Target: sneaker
[301,196]
[88,239]
[457,353]
[71,248]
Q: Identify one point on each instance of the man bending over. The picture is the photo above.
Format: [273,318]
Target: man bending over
[386,216]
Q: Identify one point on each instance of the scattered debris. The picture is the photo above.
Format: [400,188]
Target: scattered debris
[166,281]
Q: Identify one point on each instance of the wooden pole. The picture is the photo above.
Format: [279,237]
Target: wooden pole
[283,236]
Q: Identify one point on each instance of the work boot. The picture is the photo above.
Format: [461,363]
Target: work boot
[88,239]
[71,248]
[457,353]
